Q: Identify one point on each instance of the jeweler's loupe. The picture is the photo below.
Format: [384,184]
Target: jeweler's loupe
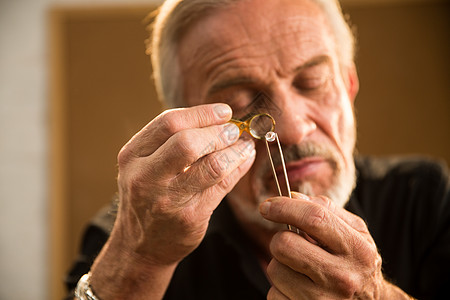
[257,126]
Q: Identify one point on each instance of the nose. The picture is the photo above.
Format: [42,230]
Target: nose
[295,122]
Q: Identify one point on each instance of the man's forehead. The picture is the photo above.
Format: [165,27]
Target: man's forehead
[256,20]
[243,26]
[253,41]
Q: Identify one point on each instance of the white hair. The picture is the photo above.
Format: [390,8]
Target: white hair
[175,16]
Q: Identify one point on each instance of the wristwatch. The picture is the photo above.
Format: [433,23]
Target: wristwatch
[83,290]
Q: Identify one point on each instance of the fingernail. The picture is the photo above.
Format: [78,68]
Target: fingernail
[222,110]
[264,207]
[301,196]
[231,132]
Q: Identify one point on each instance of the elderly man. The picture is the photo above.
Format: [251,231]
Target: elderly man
[198,216]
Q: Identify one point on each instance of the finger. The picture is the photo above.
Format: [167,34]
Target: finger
[216,167]
[213,196]
[289,283]
[344,261]
[333,274]
[155,133]
[186,147]
[353,220]
[320,278]
[275,294]
[315,220]
[304,257]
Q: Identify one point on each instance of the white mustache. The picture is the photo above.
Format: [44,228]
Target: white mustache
[297,152]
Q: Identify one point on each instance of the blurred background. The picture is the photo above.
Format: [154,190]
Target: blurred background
[75,85]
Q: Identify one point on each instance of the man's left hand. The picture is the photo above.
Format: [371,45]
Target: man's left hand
[333,257]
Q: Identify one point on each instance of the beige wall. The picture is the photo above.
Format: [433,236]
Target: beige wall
[23,173]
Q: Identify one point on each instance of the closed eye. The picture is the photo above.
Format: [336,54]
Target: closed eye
[313,81]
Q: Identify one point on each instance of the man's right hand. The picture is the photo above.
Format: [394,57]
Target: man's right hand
[172,175]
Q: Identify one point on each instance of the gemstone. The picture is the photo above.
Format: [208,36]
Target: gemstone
[270,136]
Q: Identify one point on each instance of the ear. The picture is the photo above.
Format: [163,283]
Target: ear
[351,82]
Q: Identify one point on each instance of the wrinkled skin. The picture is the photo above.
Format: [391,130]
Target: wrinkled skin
[337,260]
[171,203]
[172,175]
[176,171]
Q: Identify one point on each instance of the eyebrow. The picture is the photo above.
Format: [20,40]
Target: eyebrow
[317,60]
[245,80]
[230,82]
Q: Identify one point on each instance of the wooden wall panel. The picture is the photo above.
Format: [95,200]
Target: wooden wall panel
[101,95]
[404,65]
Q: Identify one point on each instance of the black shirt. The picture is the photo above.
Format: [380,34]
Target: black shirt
[405,203]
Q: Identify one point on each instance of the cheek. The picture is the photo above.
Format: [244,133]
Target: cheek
[346,124]
[335,117]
